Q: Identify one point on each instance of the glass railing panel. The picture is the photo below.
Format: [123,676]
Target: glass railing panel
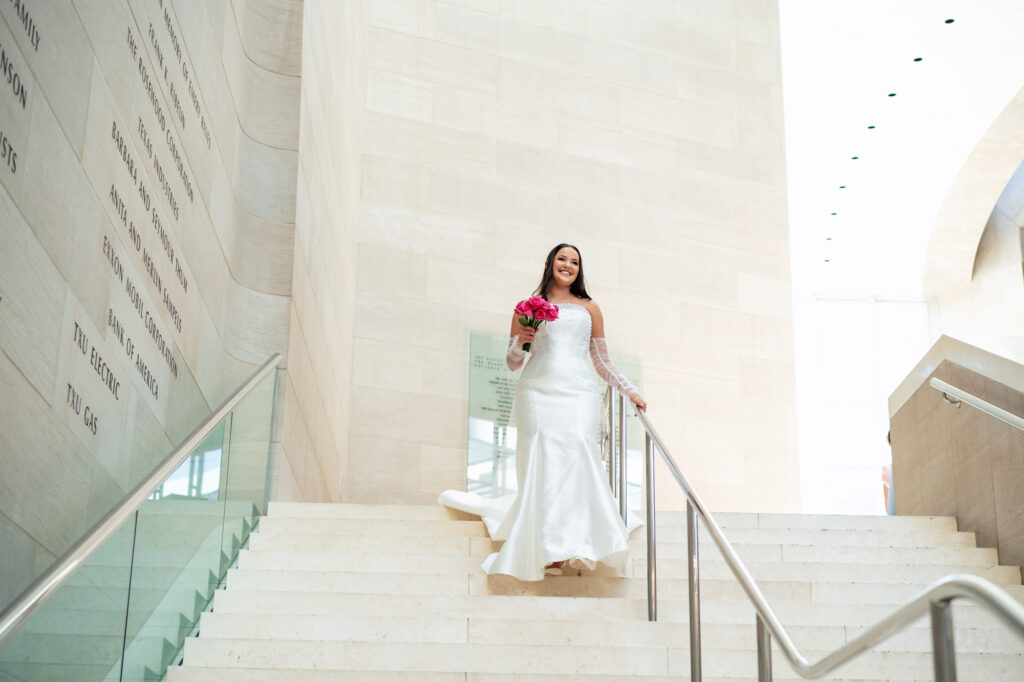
[78,633]
[248,466]
[125,612]
[178,560]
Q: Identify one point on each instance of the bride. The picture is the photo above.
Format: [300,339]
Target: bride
[564,511]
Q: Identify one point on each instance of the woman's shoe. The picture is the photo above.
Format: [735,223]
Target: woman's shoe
[554,568]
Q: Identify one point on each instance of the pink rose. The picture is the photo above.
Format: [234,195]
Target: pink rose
[533,311]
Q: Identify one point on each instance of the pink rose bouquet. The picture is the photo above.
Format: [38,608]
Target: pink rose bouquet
[533,311]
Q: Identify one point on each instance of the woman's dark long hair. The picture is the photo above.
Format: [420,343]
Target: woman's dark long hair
[578,288]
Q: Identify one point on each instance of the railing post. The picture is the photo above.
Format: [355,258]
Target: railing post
[652,577]
[764,652]
[942,641]
[611,439]
[693,556]
[622,457]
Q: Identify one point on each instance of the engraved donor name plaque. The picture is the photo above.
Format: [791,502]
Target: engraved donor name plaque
[118,307]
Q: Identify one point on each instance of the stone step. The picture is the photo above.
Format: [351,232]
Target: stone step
[792,614]
[195,674]
[726,520]
[749,552]
[274,526]
[376,527]
[339,529]
[192,674]
[410,512]
[830,537]
[921,574]
[534,659]
[710,589]
[566,586]
[893,665]
[827,521]
[413,656]
[217,674]
[339,560]
[562,632]
[482,546]
[370,544]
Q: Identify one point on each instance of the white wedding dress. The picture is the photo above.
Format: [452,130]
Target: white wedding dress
[564,510]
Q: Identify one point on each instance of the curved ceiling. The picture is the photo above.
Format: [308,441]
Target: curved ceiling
[965,212]
[885,103]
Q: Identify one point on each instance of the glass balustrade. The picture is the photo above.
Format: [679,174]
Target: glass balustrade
[125,613]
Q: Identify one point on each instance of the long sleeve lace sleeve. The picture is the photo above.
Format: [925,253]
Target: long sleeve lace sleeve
[607,371]
[516,355]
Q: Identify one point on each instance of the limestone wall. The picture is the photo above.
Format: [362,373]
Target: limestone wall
[317,405]
[650,134]
[960,461]
[147,216]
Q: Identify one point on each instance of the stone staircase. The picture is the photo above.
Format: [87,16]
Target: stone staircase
[181,551]
[381,592]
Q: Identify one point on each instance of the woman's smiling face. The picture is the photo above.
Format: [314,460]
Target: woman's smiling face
[567,266]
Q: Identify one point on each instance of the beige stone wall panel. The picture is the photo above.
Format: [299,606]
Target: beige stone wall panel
[321,344]
[428,234]
[300,454]
[36,444]
[440,421]
[431,61]
[302,373]
[58,274]
[254,326]
[961,462]
[383,470]
[258,250]
[19,560]
[61,60]
[429,145]
[266,101]
[266,44]
[33,302]
[264,179]
[648,134]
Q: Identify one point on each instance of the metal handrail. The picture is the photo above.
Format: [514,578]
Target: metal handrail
[22,608]
[935,599]
[962,396]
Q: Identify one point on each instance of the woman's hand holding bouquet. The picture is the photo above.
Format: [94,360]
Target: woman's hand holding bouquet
[532,312]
